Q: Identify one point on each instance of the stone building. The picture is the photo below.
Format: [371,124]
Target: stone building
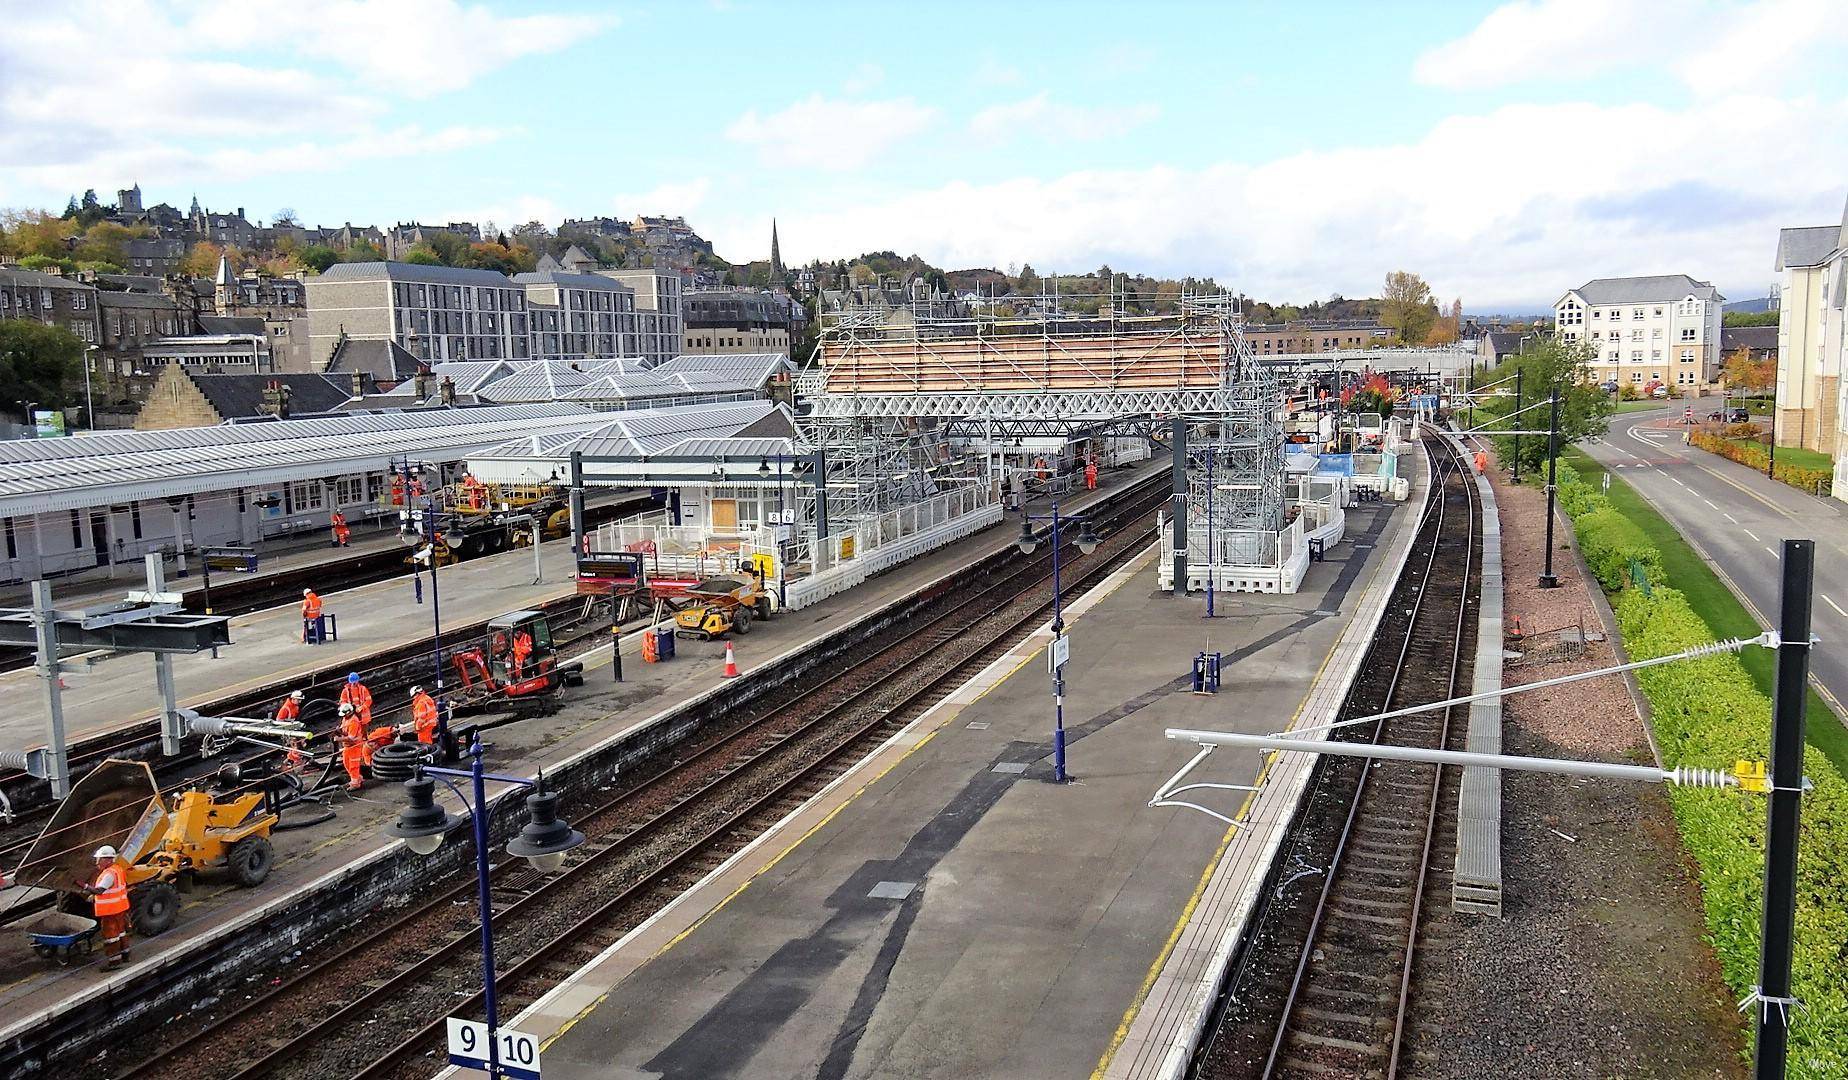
[735,321]
[1662,329]
[433,312]
[183,397]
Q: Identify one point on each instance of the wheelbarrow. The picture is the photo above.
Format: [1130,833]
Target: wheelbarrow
[62,937]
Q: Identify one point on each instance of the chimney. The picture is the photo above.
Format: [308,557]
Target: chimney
[447,389]
[359,384]
[282,399]
[240,211]
[421,381]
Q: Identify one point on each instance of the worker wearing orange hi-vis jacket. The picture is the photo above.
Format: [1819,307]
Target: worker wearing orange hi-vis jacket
[522,648]
[424,715]
[354,693]
[355,749]
[291,708]
[337,521]
[313,629]
[1090,475]
[109,896]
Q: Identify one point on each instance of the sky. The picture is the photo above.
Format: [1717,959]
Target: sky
[1506,152]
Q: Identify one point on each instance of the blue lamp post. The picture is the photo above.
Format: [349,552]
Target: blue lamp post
[543,842]
[1087,543]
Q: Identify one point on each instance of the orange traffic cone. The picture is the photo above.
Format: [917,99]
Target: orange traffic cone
[731,662]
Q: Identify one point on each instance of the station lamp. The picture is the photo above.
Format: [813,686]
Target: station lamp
[763,467]
[542,842]
[1028,543]
[1088,538]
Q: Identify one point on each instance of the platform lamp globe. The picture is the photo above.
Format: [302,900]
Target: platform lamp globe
[543,842]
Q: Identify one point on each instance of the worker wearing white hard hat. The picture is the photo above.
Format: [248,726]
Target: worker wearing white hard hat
[108,891]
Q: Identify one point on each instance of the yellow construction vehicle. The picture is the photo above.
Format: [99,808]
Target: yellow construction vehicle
[722,605]
[165,841]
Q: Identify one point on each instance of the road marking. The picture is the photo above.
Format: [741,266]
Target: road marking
[1677,480]
[1836,606]
[1709,502]
[1753,535]
[1769,552]
[1730,518]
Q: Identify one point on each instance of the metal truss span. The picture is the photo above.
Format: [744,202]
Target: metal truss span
[1069,407]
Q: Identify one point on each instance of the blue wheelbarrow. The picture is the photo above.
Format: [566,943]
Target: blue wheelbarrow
[62,937]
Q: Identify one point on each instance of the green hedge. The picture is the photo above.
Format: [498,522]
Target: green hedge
[1613,544]
[1708,712]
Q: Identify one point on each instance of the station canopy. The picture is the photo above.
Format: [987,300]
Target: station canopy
[706,442]
[76,472]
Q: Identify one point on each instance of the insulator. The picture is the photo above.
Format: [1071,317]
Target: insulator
[1705,778]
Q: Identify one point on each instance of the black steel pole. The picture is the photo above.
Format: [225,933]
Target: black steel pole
[577,509]
[615,637]
[1789,697]
[1518,421]
[1548,580]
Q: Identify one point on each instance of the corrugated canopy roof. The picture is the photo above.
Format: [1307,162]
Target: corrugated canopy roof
[39,475]
[704,430]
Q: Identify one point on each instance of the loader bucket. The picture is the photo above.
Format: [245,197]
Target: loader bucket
[104,807]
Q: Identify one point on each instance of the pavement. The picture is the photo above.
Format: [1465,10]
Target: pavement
[593,715]
[944,909]
[1736,518]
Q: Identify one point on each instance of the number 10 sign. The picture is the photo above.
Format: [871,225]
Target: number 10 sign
[516,1053]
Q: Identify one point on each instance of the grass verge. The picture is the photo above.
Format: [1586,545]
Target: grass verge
[1711,599]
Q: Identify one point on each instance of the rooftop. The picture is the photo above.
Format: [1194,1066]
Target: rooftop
[403,271]
[42,475]
[1808,245]
[1658,287]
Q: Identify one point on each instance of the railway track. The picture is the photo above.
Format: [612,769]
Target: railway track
[376,1007]
[1328,973]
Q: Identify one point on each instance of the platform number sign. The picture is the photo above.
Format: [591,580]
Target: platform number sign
[516,1052]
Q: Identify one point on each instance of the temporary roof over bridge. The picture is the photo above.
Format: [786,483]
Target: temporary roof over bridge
[40,475]
[707,440]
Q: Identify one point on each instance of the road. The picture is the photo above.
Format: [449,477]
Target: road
[1737,517]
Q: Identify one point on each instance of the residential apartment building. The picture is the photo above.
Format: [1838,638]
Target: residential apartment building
[1642,330]
[128,322]
[579,316]
[718,321]
[657,312]
[443,313]
[432,312]
[1272,339]
[1808,370]
[51,300]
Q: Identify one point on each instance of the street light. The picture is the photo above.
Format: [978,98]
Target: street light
[427,531]
[543,843]
[1028,544]
[89,404]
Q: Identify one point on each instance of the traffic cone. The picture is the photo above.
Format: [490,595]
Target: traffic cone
[731,662]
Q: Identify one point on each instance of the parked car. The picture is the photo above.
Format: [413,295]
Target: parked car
[1609,386]
[1659,392]
[1738,416]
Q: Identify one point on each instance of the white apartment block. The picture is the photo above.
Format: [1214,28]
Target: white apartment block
[579,316]
[1642,330]
[1809,357]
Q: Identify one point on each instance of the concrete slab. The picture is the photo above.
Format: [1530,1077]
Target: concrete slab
[598,713]
[1040,907]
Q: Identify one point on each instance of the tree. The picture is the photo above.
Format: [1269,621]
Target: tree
[1028,281]
[1749,318]
[1742,373]
[451,248]
[423,254]
[1547,362]
[105,241]
[38,363]
[285,217]
[33,232]
[861,274]
[318,257]
[1408,309]
[202,259]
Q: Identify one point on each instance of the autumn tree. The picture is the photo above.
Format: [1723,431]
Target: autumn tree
[33,232]
[317,257]
[286,217]
[38,363]
[1743,373]
[202,259]
[1407,307]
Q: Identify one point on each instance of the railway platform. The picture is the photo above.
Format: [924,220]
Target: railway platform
[107,691]
[323,857]
[944,909]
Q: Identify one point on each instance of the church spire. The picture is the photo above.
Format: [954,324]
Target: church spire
[776,256]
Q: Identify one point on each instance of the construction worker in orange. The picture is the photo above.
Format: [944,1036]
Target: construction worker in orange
[397,491]
[354,693]
[1482,462]
[355,748]
[108,891]
[339,524]
[423,715]
[1090,475]
[291,708]
[522,648]
[473,491]
[1039,465]
[314,627]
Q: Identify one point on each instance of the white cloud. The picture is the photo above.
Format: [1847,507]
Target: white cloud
[1040,115]
[993,72]
[195,96]
[825,134]
[1502,228]
[675,199]
[1713,47]
[413,47]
